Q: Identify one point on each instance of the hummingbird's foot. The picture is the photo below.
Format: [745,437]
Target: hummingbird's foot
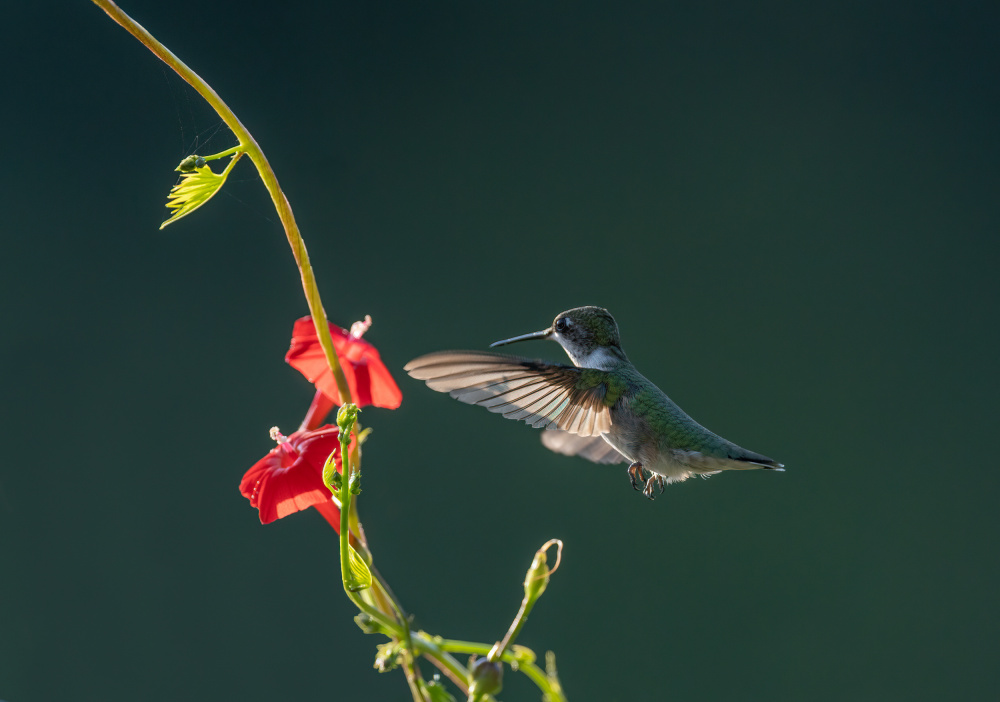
[636,475]
[654,480]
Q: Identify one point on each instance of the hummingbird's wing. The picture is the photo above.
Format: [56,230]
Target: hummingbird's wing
[593,448]
[539,393]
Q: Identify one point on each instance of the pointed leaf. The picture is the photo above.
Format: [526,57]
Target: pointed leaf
[196,187]
[360,577]
[331,476]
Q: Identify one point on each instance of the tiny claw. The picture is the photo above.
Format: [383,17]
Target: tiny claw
[654,480]
[635,475]
[647,490]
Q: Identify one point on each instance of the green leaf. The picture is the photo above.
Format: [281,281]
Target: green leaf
[195,188]
[331,478]
[360,578]
[436,692]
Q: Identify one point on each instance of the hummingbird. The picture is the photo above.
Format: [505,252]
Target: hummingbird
[600,408]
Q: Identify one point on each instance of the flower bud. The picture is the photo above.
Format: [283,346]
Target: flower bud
[537,577]
[190,163]
[347,416]
[487,678]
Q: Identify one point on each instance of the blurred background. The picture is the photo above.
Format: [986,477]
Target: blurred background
[791,209]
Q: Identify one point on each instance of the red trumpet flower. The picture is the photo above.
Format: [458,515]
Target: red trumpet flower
[367,377]
[290,477]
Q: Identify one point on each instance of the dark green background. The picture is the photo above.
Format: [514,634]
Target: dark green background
[790,208]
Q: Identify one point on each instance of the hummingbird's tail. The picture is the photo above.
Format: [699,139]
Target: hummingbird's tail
[753,460]
[735,458]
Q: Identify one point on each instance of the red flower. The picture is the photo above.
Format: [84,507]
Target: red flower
[367,377]
[290,477]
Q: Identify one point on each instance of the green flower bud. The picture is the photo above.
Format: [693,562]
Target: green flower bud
[537,578]
[487,678]
[347,416]
[190,163]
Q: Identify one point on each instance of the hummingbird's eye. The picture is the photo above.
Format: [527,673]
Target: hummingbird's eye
[562,325]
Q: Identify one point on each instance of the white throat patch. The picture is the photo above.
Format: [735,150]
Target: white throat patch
[600,359]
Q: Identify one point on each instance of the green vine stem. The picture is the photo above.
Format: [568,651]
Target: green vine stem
[223,154]
[249,145]
[377,602]
[350,485]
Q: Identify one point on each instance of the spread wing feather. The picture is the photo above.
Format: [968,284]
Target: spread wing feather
[593,448]
[538,393]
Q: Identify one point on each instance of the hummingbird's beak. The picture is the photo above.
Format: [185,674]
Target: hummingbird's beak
[543,334]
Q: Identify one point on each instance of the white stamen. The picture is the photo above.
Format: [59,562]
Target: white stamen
[358,329]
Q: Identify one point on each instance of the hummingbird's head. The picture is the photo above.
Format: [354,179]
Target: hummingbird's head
[589,335]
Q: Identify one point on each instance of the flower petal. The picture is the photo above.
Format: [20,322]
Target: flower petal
[367,377]
[289,479]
